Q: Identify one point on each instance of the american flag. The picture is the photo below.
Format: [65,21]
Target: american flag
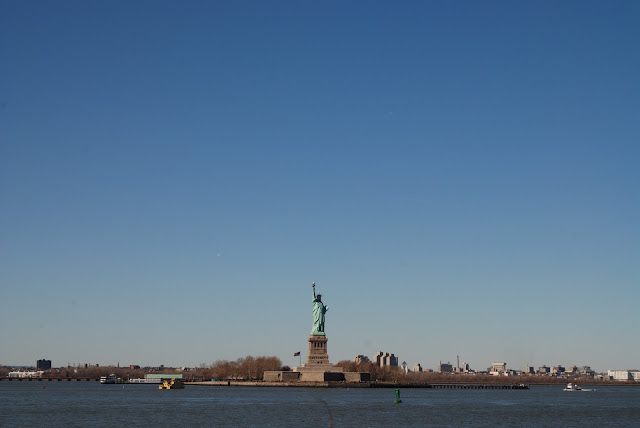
[296,354]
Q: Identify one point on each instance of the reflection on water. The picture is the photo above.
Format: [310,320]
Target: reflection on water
[91,405]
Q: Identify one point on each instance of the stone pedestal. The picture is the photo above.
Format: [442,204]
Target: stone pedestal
[317,351]
[318,367]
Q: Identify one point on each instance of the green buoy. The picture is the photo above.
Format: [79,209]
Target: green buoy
[397,400]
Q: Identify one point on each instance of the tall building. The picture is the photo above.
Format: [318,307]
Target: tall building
[391,361]
[445,368]
[385,359]
[498,367]
[43,364]
[417,368]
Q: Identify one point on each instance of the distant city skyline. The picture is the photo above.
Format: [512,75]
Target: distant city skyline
[381,359]
[458,178]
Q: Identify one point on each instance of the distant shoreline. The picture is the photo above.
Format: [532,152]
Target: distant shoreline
[478,384]
[471,382]
[434,385]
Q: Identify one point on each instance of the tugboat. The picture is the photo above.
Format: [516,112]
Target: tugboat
[172,384]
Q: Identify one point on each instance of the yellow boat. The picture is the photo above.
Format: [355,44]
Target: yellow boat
[172,384]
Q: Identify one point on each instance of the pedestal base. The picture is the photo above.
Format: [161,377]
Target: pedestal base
[317,351]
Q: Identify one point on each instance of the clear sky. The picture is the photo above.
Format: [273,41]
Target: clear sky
[457,177]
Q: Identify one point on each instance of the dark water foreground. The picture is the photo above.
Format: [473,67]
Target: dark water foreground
[89,404]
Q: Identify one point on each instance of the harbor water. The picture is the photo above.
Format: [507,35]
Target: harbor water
[89,404]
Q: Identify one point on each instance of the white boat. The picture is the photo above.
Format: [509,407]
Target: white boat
[109,379]
[575,387]
[572,387]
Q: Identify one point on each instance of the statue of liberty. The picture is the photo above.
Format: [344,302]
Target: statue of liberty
[319,309]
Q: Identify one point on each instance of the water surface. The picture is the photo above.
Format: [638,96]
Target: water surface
[89,404]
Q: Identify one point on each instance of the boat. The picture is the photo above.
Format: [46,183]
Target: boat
[111,379]
[572,387]
[575,387]
[172,384]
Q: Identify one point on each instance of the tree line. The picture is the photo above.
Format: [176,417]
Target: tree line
[247,368]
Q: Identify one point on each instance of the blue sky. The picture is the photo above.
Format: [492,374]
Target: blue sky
[459,178]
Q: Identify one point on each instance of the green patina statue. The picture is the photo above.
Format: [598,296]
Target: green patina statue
[319,309]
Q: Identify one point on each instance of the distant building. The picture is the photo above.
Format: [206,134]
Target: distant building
[134,367]
[529,370]
[556,370]
[586,371]
[391,361]
[445,368]
[619,375]
[43,364]
[498,368]
[359,359]
[544,370]
[465,368]
[404,367]
[163,376]
[417,368]
[385,359]
[633,375]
